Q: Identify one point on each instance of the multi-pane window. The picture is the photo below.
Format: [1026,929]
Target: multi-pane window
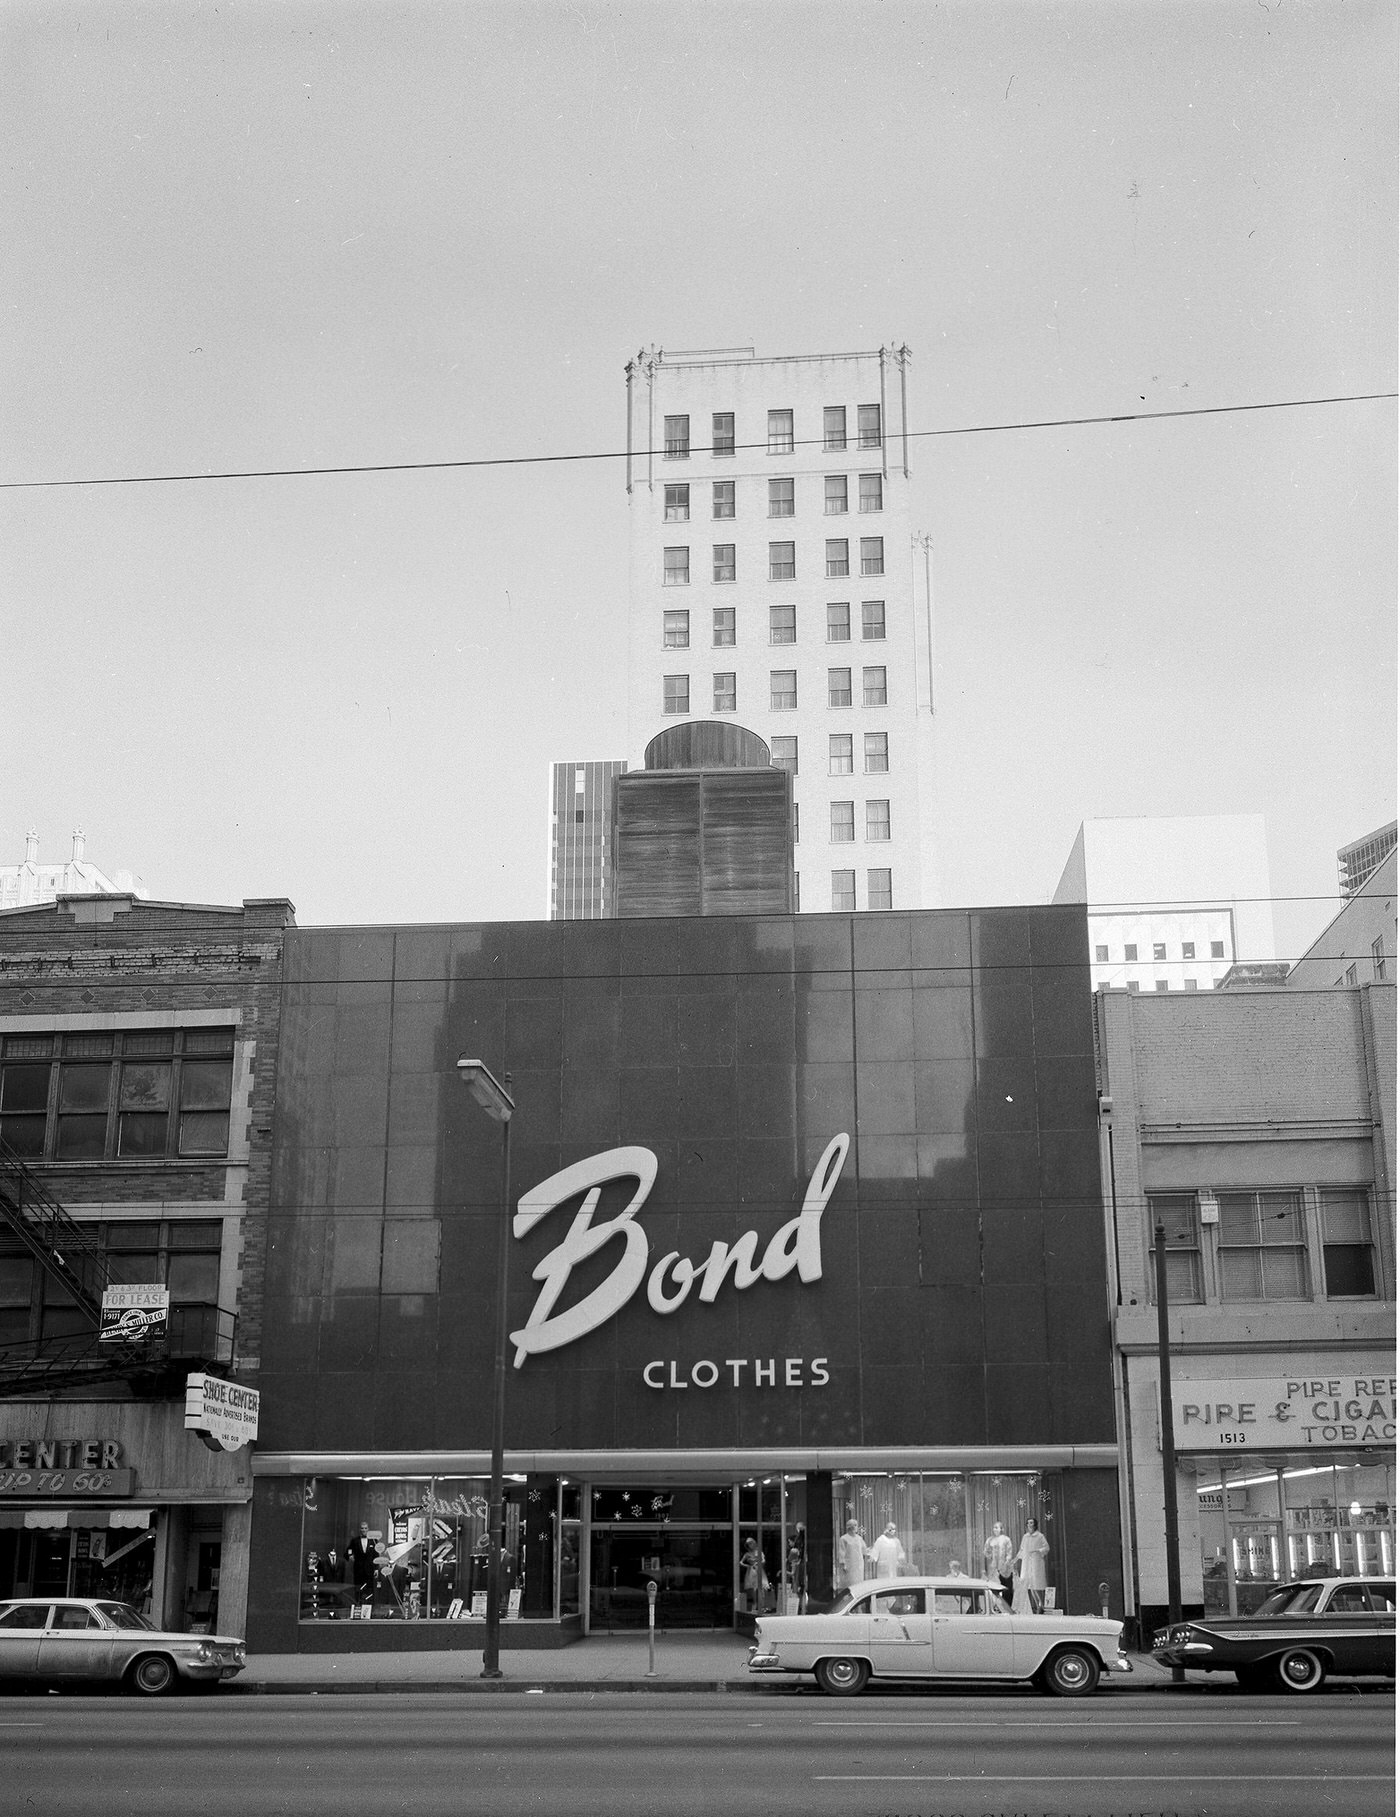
[872,492]
[796,894]
[722,432]
[1130,955]
[879,889]
[796,824]
[780,432]
[1190,984]
[872,620]
[838,687]
[677,432]
[873,690]
[782,624]
[1101,954]
[182,1255]
[722,504]
[1263,1250]
[782,561]
[675,567]
[677,507]
[783,754]
[843,892]
[675,693]
[726,696]
[838,557]
[1159,950]
[1188,949]
[1351,974]
[1179,1216]
[877,819]
[834,426]
[1217,949]
[782,689]
[781,501]
[868,425]
[1378,958]
[724,627]
[877,753]
[1348,1259]
[675,633]
[838,621]
[843,822]
[836,504]
[840,759]
[104,1095]
[723,559]
[872,555]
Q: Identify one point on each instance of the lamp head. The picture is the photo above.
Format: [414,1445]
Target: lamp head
[486,1089]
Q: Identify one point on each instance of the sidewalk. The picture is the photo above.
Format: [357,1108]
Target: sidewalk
[684,1662]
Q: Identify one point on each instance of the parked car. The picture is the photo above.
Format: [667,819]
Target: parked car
[74,1640]
[1295,1637]
[937,1628]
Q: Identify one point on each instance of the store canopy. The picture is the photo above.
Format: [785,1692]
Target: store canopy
[76,1517]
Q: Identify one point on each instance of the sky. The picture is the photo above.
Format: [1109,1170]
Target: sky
[244,236]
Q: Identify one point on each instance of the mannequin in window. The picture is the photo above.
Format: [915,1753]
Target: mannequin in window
[751,1575]
[887,1555]
[850,1558]
[797,1566]
[1030,1571]
[998,1555]
[360,1552]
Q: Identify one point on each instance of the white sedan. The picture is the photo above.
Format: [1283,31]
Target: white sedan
[67,1640]
[936,1628]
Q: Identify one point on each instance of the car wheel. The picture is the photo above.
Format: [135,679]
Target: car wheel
[842,1677]
[1072,1672]
[153,1675]
[1299,1669]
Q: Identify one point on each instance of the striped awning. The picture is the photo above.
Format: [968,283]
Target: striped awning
[37,1518]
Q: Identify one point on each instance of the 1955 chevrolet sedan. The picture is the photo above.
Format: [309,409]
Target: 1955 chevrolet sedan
[937,1628]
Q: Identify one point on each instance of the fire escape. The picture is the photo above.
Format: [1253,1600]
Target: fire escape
[197,1336]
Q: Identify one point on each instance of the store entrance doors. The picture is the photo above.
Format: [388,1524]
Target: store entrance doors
[682,1538]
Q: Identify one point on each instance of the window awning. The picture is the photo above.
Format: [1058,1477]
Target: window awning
[34,1518]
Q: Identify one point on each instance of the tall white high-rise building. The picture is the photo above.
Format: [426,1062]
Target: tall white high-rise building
[31,883]
[774,583]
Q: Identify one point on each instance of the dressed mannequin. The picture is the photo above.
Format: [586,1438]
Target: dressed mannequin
[850,1557]
[1030,1569]
[887,1555]
[360,1552]
[751,1575]
[797,1565]
[998,1553]
[955,1567]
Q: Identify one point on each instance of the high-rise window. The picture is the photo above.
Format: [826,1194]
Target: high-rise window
[722,502]
[1263,1251]
[722,432]
[724,561]
[1160,984]
[838,621]
[1378,958]
[676,568]
[834,426]
[1217,949]
[843,892]
[868,425]
[843,822]
[1101,955]
[877,819]
[1191,984]
[782,561]
[873,692]
[877,753]
[838,687]
[796,893]
[1188,949]
[782,689]
[1159,949]
[872,555]
[724,626]
[879,889]
[838,557]
[872,620]
[677,437]
[836,502]
[677,508]
[783,754]
[840,761]
[1348,1260]
[780,498]
[872,492]
[1178,1214]
[1130,955]
[782,624]
[675,693]
[796,824]
[675,631]
[725,692]
[780,432]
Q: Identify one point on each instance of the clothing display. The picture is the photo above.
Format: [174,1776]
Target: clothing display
[998,1555]
[1030,1567]
[850,1559]
[887,1554]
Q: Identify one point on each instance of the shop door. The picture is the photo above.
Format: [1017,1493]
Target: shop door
[692,1567]
[1255,1553]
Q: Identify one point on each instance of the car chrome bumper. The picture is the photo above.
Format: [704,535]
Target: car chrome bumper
[764,1662]
[1122,1663]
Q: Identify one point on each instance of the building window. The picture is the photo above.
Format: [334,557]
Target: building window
[783,754]
[838,687]
[1132,984]
[879,889]
[872,492]
[725,694]
[872,555]
[780,432]
[724,627]
[676,630]
[677,504]
[782,624]
[843,822]
[1347,1256]
[1188,949]
[675,569]
[1191,984]
[1159,950]
[1160,984]
[782,689]
[106,1096]
[1130,955]
[723,561]
[1101,955]
[1263,1252]
[836,505]
[1217,949]
[677,438]
[834,426]
[877,820]
[1351,974]
[1378,958]
[868,425]
[782,561]
[843,892]
[796,822]
[872,620]
[1179,1216]
[722,432]
[873,689]
[723,498]
[838,557]
[675,693]
[781,502]
[182,1256]
[796,894]
[840,757]
[877,753]
[838,621]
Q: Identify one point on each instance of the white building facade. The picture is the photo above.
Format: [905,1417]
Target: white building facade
[30,884]
[773,583]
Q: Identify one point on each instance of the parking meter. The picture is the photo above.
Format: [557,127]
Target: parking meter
[651,1627]
[1103,1600]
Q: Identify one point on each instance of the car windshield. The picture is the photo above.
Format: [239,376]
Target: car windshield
[122,1615]
[1291,1599]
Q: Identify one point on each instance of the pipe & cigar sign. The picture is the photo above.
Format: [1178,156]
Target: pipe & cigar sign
[794,1248]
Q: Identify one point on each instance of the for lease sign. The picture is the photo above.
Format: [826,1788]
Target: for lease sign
[226,1412]
[1293,1413]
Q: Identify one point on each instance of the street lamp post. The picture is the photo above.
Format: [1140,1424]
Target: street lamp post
[496,1101]
[1164,1371]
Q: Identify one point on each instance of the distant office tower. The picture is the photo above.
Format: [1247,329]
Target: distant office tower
[580,822]
[1173,903]
[25,885]
[1359,861]
[773,583]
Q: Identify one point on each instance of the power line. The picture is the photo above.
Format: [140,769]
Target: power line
[538,460]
